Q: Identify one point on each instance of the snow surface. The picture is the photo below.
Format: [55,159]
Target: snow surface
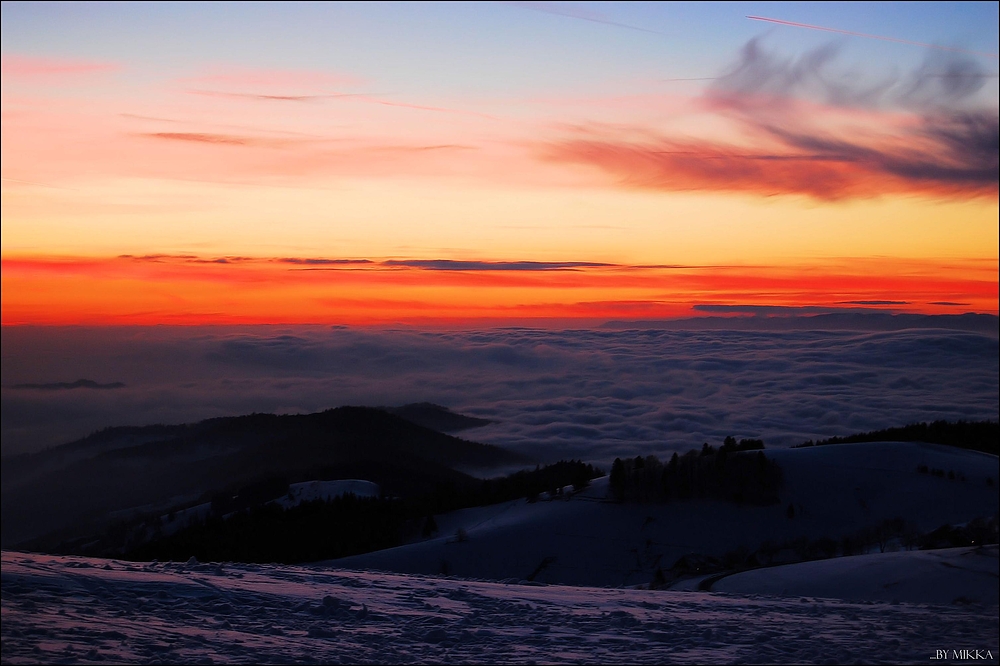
[585,540]
[951,575]
[79,610]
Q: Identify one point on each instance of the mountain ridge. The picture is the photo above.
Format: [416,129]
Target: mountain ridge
[72,489]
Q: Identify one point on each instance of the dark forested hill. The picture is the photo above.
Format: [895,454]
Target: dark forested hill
[78,488]
[437,417]
[973,435]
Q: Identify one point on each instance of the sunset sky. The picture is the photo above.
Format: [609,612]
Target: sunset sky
[495,162]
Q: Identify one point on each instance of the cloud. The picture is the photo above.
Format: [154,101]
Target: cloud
[450,265]
[367,98]
[590,394]
[322,262]
[216,139]
[80,383]
[34,67]
[810,128]
[868,36]
[761,77]
[952,159]
[783,310]
[267,97]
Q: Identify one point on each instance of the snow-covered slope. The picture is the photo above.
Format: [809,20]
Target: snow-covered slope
[836,490]
[952,575]
[77,610]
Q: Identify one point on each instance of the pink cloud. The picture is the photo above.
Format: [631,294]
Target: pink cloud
[218,139]
[30,66]
[829,168]
[796,126]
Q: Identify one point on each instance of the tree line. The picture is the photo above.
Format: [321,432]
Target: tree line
[733,472]
[981,436]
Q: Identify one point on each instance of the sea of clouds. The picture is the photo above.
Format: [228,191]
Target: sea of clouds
[588,394]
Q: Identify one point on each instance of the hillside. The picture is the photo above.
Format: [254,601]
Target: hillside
[973,435]
[437,417]
[79,488]
[835,492]
[945,576]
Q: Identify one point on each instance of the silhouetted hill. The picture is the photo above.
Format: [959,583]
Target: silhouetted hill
[78,488]
[23,468]
[981,436]
[80,383]
[437,417]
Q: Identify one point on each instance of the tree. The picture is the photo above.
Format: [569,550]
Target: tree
[617,479]
[659,580]
[430,527]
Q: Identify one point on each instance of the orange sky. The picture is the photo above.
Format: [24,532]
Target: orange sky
[782,179]
[193,290]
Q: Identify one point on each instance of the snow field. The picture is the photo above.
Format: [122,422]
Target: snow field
[69,609]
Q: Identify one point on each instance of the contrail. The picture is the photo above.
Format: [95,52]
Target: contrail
[862,34]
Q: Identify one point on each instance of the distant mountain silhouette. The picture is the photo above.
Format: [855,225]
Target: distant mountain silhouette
[437,417]
[80,488]
[80,383]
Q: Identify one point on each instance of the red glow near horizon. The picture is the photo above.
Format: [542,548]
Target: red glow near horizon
[193,290]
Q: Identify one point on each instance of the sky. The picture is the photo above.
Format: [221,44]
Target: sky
[504,163]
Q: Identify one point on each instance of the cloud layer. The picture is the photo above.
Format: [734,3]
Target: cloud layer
[553,394]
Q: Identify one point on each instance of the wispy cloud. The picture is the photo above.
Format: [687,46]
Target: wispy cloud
[789,310]
[212,138]
[811,130]
[323,262]
[450,265]
[271,97]
[577,12]
[201,137]
[852,33]
[31,66]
